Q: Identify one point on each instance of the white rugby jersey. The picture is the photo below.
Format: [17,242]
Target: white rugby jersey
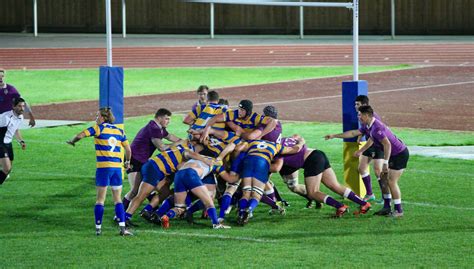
[11,122]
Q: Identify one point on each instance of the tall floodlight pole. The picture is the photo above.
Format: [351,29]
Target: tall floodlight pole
[124,19]
[393,18]
[212,19]
[355,39]
[301,21]
[108,22]
[35,17]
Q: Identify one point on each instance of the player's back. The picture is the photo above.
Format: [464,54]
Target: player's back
[108,140]
[204,113]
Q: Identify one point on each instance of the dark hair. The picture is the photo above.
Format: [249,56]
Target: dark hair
[271,112]
[202,88]
[107,115]
[162,112]
[363,99]
[212,96]
[18,100]
[366,110]
[223,101]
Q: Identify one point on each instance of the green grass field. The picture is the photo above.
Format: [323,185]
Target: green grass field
[49,86]
[46,216]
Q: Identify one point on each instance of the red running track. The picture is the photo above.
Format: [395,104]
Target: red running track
[208,56]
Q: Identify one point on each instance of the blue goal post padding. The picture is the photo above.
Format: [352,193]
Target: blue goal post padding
[350,90]
[111,90]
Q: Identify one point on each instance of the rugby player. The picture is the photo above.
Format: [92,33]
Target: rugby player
[109,141]
[396,156]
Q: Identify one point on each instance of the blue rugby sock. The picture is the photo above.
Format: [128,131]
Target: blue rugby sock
[171,214]
[212,213]
[165,206]
[225,203]
[99,213]
[243,205]
[148,207]
[198,205]
[128,216]
[120,213]
[253,204]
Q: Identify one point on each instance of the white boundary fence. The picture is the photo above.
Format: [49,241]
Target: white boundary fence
[124,17]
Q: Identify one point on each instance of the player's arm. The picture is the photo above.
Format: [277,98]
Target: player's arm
[158,143]
[76,138]
[173,138]
[20,140]
[270,125]
[128,154]
[276,165]
[209,123]
[253,135]
[188,154]
[296,148]
[367,145]
[189,119]
[28,110]
[235,128]
[346,134]
[228,149]
[387,151]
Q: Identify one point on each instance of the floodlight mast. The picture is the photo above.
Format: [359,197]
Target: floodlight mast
[108,22]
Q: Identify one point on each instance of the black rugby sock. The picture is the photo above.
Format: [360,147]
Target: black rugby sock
[3,176]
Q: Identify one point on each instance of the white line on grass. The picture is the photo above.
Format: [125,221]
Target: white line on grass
[374,92]
[217,236]
[405,202]
[437,206]
[339,95]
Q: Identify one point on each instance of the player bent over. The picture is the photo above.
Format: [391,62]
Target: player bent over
[316,170]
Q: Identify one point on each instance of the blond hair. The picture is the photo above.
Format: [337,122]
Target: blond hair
[106,114]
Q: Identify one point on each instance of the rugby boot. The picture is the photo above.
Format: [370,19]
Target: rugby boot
[146,215]
[220,226]
[383,212]
[396,214]
[125,232]
[341,211]
[363,209]
[165,222]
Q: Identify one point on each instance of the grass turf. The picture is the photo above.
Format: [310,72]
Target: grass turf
[49,86]
[46,217]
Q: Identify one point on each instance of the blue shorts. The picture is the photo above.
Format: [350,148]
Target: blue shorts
[151,173]
[238,163]
[186,179]
[108,177]
[209,179]
[255,166]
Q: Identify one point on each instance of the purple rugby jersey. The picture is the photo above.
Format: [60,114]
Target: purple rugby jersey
[142,147]
[293,160]
[7,95]
[378,131]
[274,135]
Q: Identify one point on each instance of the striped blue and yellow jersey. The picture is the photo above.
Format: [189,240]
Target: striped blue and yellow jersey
[203,113]
[109,140]
[248,123]
[169,160]
[264,149]
[217,145]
